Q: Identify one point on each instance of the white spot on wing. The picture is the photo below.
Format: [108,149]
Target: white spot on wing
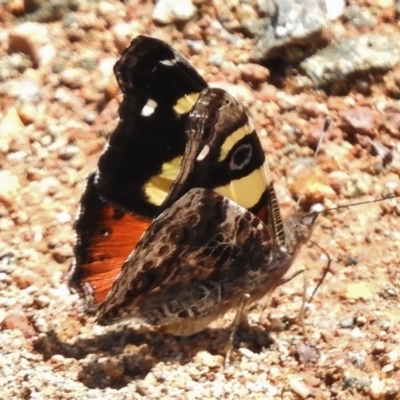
[169,63]
[203,153]
[148,108]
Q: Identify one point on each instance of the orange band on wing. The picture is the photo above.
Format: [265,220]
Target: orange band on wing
[103,246]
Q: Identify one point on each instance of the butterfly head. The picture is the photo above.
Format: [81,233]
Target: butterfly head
[299,227]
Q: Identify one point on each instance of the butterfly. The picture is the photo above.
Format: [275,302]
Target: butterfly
[180,220]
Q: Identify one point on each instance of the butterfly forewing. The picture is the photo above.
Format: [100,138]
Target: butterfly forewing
[159,89]
[141,160]
[105,236]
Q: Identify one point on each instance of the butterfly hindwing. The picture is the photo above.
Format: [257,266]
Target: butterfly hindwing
[197,260]
[194,261]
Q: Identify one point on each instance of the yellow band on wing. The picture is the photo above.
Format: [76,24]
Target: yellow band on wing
[186,103]
[247,191]
[158,186]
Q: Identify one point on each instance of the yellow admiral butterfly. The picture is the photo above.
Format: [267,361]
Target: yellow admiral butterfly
[180,221]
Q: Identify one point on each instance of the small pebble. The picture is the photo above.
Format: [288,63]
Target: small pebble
[209,360]
[300,388]
[246,352]
[18,321]
[387,368]
[168,11]
[9,186]
[379,347]
[394,355]
[28,113]
[111,367]
[32,39]
[376,388]
[68,152]
[42,301]
[360,120]
[73,78]
[361,320]
[123,35]
[306,354]
[358,290]
[11,128]
[347,323]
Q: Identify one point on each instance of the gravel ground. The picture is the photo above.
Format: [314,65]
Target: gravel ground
[58,103]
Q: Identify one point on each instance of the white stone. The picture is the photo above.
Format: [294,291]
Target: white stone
[168,11]
[334,8]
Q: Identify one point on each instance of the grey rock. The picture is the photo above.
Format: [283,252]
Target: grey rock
[216,59]
[348,56]
[196,46]
[268,7]
[359,17]
[48,10]
[293,28]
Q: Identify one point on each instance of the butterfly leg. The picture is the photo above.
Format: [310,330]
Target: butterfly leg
[303,309]
[302,312]
[235,325]
[304,300]
[325,271]
[290,277]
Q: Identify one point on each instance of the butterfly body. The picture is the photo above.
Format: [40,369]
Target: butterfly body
[184,176]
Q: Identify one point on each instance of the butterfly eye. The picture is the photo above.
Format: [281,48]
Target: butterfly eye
[227,102]
[241,157]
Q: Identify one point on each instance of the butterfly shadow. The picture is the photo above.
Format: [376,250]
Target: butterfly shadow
[116,358]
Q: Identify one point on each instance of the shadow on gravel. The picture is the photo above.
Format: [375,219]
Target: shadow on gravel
[116,358]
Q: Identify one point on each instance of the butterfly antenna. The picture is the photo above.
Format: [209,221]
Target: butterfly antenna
[329,260]
[325,129]
[393,196]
